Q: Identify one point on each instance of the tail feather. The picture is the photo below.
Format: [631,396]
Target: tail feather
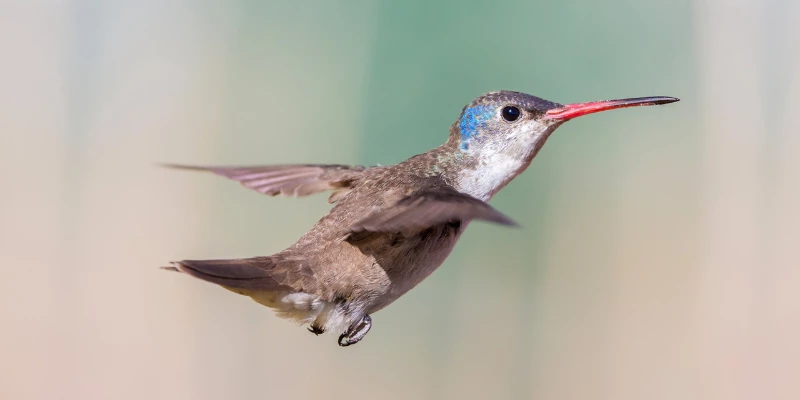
[248,273]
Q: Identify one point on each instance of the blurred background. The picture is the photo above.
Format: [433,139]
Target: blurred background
[658,258]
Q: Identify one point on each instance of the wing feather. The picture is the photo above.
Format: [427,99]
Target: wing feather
[288,180]
[429,208]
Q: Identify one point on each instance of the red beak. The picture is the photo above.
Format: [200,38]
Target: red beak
[571,111]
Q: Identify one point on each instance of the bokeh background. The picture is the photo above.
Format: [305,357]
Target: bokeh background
[659,254]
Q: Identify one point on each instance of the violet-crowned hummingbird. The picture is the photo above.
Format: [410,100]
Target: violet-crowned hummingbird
[392,226]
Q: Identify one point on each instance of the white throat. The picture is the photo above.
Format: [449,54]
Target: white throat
[492,172]
[494,164]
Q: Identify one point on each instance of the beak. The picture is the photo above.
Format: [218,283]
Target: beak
[571,111]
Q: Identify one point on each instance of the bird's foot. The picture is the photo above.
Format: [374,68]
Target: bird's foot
[356,332]
[316,330]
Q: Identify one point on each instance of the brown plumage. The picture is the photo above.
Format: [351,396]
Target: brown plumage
[391,226]
[289,180]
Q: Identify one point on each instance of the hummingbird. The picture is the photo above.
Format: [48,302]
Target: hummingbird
[390,226]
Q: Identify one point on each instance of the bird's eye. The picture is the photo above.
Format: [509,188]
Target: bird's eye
[510,113]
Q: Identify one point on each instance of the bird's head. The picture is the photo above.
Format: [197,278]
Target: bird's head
[501,132]
[499,120]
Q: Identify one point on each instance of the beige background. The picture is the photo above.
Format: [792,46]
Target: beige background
[658,258]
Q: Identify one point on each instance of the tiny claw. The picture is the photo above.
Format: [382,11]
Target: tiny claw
[316,330]
[356,332]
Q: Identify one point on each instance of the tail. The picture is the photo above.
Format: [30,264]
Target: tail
[247,273]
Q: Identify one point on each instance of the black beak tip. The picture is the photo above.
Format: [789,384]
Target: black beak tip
[666,100]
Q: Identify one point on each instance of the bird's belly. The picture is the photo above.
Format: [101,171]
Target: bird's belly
[415,260]
[296,306]
[306,308]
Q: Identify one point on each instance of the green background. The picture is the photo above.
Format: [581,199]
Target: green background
[657,258]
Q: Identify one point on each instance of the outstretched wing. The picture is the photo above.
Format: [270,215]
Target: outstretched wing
[430,207]
[288,180]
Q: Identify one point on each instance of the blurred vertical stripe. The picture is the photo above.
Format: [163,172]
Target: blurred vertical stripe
[657,258]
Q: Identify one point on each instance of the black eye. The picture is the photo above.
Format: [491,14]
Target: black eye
[510,113]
